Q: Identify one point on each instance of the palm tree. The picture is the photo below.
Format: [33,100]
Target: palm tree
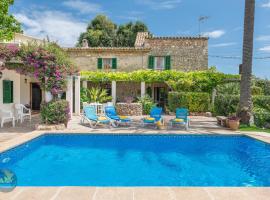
[245,110]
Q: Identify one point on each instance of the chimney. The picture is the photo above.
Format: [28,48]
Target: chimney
[85,43]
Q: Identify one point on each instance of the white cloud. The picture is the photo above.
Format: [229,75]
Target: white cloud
[83,7]
[160,4]
[224,44]
[132,15]
[214,34]
[266,5]
[58,26]
[266,49]
[263,38]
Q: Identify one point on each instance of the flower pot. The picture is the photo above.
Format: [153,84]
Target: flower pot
[234,124]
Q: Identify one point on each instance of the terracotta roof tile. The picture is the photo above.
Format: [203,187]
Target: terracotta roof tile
[140,39]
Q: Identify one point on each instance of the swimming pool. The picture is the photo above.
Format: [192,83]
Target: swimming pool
[139,160]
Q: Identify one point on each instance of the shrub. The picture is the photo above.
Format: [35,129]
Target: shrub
[229,88]
[226,104]
[261,102]
[55,112]
[233,88]
[261,117]
[256,90]
[194,101]
[94,95]
[147,104]
[84,95]
[264,84]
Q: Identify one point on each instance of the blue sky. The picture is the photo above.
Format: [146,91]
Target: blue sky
[63,20]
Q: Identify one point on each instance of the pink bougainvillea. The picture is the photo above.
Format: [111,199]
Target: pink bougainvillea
[47,64]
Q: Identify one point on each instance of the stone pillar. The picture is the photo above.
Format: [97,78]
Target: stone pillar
[85,84]
[114,92]
[77,95]
[69,93]
[142,89]
[214,94]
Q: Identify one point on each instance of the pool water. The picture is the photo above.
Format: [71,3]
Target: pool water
[139,160]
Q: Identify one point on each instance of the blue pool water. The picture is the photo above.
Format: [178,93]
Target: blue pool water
[139,160]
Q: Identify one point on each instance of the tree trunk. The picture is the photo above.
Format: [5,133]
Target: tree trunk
[245,110]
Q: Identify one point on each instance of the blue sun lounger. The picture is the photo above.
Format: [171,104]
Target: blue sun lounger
[111,113]
[181,118]
[155,117]
[89,114]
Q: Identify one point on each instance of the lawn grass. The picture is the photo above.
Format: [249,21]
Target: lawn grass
[253,128]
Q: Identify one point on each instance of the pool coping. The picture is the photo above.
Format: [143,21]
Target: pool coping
[136,193]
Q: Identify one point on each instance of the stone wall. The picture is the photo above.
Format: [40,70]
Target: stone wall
[187,54]
[129,109]
[127,90]
[128,59]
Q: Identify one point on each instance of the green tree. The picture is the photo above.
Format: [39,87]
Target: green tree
[8,24]
[102,32]
[126,34]
[245,109]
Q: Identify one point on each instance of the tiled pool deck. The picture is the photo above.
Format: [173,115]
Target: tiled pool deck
[11,137]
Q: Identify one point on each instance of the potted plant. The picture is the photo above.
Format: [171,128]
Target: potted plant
[234,122]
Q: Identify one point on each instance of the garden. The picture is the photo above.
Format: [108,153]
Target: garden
[200,92]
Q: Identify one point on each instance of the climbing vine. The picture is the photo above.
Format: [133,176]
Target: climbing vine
[177,80]
[47,63]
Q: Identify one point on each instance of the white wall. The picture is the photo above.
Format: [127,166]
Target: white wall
[25,90]
[15,77]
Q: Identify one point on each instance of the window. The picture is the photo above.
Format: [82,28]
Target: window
[7,91]
[107,63]
[159,63]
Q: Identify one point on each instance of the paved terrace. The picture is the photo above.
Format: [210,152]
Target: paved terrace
[10,137]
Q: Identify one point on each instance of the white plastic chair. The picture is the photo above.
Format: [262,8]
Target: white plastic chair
[6,116]
[22,112]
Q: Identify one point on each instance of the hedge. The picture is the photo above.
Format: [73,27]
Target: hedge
[194,101]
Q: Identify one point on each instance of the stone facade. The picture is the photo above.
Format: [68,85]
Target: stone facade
[126,90]
[187,54]
[128,59]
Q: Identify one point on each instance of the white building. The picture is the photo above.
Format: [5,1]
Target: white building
[20,89]
[16,88]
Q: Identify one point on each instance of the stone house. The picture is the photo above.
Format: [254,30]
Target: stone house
[149,53]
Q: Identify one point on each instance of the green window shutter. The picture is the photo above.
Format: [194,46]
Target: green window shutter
[151,62]
[168,62]
[114,63]
[99,63]
[7,91]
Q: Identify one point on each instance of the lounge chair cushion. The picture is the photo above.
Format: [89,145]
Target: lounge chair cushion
[123,117]
[178,120]
[149,120]
[102,118]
